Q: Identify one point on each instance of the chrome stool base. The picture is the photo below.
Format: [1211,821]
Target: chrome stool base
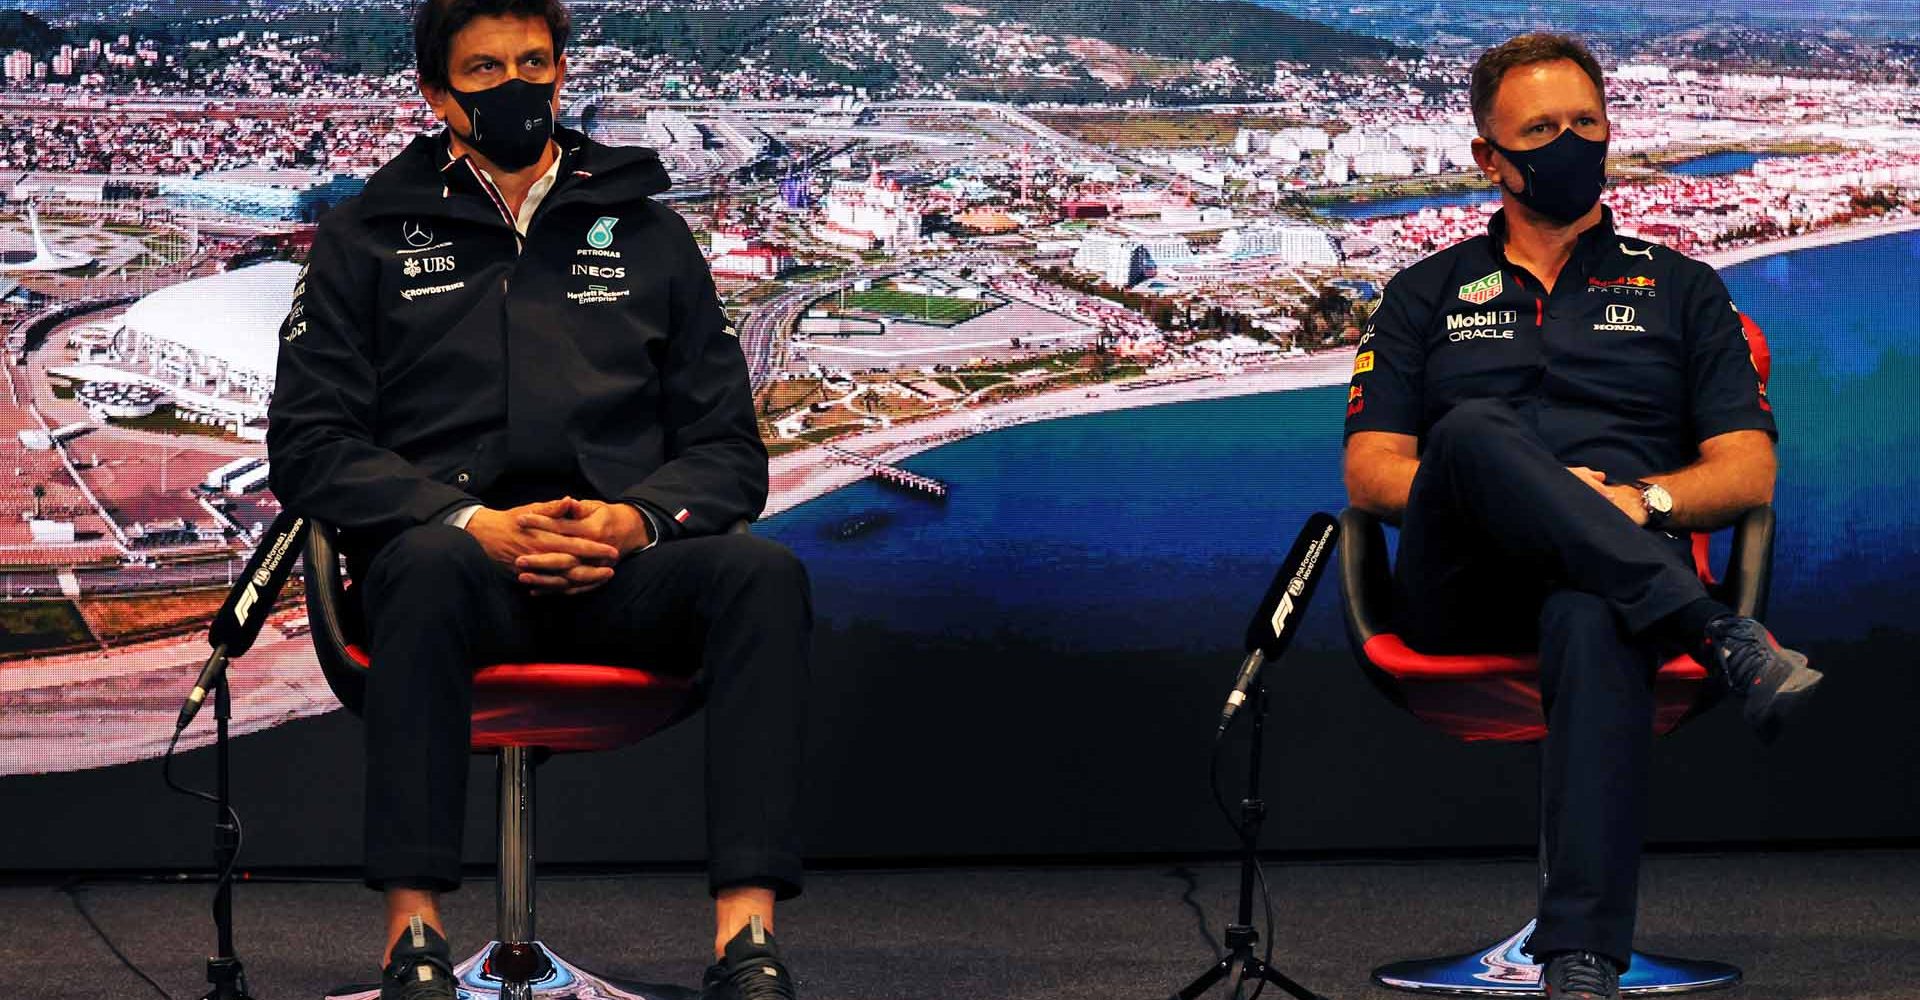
[1505,970]
[562,981]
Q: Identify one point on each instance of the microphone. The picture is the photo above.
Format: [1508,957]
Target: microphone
[1278,617]
[240,619]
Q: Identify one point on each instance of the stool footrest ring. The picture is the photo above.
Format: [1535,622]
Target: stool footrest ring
[1506,970]
[562,981]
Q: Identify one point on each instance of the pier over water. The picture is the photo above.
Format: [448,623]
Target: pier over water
[889,473]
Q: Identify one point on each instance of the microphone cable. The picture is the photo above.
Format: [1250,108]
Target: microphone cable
[224,880]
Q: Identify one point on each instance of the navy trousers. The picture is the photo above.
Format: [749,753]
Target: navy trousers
[734,610]
[1503,550]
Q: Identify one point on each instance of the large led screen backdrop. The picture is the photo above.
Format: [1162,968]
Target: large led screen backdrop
[1050,307]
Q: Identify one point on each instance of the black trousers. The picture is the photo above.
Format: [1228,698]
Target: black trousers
[1503,550]
[734,610]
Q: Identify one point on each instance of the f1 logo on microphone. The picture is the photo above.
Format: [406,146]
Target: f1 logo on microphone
[241,608]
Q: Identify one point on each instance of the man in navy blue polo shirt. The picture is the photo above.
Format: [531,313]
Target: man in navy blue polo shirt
[1546,410]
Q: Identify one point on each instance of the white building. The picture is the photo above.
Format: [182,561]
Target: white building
[1313,140]
[1166,251]
[874,213]
[1356,142]
[754,260]
[1293,244]
[1339,171]
[1117,260]
[1642,73]
[1395,163]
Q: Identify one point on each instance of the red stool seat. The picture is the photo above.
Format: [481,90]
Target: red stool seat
[568,707]
[521,711]
[1482,696]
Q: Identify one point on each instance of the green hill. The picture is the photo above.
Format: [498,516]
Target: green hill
[1199,29]
[21,30]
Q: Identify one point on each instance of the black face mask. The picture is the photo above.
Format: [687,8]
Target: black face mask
[1563,177]
[511,122]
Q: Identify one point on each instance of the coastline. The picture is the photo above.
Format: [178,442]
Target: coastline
[800,476]
[1807,241]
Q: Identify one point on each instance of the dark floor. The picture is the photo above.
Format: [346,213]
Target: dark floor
[1803,925]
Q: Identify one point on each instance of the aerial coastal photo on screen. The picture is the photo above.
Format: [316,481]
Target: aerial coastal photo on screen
[930,223]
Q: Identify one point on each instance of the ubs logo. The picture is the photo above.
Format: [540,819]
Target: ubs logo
[416,234]
[416,266]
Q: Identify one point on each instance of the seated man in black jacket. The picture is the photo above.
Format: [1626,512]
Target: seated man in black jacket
[507,381]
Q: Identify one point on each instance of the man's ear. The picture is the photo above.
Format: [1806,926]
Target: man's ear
[1483,156]
[435,96]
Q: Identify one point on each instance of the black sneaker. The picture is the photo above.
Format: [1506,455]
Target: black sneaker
[1581,975]
[1776,682]
[422,966]
[750,969]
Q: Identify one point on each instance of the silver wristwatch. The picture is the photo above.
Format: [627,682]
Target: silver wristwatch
[1658,502]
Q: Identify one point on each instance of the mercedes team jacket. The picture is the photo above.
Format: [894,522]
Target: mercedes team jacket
[434,358]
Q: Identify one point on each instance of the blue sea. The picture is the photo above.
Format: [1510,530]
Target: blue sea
[1384,207]
[1715,164]
[1710,165]
[1159,528]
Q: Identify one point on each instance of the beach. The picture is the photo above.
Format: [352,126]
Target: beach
[1807,241]
[799,476]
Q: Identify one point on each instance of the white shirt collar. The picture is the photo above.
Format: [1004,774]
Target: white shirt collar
[535,194]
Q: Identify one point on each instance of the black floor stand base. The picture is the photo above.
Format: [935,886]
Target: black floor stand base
[1241,935]
[229,980]
[1240,945]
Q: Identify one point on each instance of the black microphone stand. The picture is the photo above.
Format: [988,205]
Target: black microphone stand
[1241,935]
[224,972]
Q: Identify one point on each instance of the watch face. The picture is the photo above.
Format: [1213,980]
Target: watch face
[1658,499]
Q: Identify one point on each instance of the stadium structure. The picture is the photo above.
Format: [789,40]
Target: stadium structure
[215,338]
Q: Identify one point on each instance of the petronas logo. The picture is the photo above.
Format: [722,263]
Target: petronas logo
[600,236]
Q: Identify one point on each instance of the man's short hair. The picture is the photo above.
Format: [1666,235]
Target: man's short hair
[1525,50]
[437,21]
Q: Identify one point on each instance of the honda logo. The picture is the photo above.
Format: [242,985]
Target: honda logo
[1620,320]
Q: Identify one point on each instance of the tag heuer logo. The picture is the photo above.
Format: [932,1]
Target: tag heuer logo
[600,236]
[1483,290]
